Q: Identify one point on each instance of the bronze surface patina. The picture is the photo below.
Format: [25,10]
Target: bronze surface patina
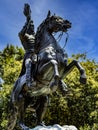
[44,67]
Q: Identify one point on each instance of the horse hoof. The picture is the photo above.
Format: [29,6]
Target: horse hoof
[23,126]
[83,80]
[53,86]
[27,128]
[41,124]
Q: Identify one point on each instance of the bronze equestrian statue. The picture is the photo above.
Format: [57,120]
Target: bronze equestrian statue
[49,70]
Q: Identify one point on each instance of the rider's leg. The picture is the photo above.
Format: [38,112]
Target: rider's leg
[29,76]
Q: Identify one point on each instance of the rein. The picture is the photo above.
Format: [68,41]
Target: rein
[59,38]
[66,40]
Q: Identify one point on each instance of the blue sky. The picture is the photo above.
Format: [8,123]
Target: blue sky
[83,14]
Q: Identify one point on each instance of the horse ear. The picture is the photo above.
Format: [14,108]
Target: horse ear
[49,14]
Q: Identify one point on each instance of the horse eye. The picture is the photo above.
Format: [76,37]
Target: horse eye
[57,20]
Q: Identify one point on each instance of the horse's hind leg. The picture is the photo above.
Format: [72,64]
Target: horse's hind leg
[21,113]
[42,103]
[80,68]
[12,117]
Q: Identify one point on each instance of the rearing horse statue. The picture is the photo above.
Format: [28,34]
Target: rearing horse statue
[51,69]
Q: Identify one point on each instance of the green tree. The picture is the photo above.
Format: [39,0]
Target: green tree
[80,108]
[10,69]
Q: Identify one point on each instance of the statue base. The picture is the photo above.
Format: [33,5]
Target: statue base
[55,127]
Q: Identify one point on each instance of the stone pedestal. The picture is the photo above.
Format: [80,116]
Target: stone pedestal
[55,127]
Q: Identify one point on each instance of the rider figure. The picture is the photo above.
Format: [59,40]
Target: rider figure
[27,37]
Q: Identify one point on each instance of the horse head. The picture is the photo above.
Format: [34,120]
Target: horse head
[52,23]
[56,23]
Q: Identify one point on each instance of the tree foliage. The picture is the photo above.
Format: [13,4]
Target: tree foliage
[80,108]
[10,67]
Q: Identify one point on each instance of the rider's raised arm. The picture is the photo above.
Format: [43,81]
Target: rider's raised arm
[23,31]
[28,28]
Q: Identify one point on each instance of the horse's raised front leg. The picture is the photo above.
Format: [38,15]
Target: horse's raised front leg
[46,69]
[56,72]
[76,63]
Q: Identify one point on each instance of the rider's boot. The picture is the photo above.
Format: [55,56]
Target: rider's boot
[29,78]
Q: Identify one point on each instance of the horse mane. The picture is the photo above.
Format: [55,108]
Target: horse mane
[38,35]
